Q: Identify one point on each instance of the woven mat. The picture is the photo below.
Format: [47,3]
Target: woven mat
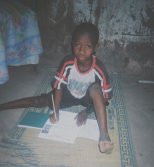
[24,149]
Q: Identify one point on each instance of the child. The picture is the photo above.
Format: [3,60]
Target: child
[81,79]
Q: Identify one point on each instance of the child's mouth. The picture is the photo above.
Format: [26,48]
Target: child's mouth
[81,59]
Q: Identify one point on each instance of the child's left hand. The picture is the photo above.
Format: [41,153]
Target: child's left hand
[81,118]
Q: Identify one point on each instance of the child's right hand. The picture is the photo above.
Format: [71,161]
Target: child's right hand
[54,119]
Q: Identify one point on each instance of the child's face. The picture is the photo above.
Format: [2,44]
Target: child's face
[83,48]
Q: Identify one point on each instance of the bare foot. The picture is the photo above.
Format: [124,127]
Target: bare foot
[106,147]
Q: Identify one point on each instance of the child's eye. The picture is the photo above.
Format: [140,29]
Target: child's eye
[76,45]
[88,46]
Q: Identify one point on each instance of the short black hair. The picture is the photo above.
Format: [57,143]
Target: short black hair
[86,28]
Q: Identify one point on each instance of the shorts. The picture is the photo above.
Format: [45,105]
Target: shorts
[68,100]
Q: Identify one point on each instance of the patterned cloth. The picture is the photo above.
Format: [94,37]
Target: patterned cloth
[20,42]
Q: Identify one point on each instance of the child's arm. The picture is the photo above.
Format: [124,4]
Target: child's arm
[57,101]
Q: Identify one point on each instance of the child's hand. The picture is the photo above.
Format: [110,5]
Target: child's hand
[54,119]
[81,118]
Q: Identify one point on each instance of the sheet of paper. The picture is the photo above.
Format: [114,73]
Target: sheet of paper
[90,130]
[65,130]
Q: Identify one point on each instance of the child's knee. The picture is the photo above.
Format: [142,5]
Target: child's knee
[94,88]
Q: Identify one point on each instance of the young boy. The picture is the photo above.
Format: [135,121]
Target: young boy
[81,79]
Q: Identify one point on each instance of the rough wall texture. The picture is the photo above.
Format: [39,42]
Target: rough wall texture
[126,30]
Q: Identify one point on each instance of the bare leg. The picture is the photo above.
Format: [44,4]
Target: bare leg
[36,101]
[100,109]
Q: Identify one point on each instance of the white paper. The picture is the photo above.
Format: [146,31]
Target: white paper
[90,130]
[67,131]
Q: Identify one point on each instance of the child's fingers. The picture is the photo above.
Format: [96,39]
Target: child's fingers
[53,119]
[75,118]
[80,119]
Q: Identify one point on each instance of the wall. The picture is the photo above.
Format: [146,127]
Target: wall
[126,30]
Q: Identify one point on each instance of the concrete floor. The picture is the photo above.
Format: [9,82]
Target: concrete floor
[138,97]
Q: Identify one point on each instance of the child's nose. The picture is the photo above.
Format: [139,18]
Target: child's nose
[81,49]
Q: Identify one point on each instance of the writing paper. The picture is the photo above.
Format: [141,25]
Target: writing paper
[67,131]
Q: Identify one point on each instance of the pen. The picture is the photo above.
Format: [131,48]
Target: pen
[54,110]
